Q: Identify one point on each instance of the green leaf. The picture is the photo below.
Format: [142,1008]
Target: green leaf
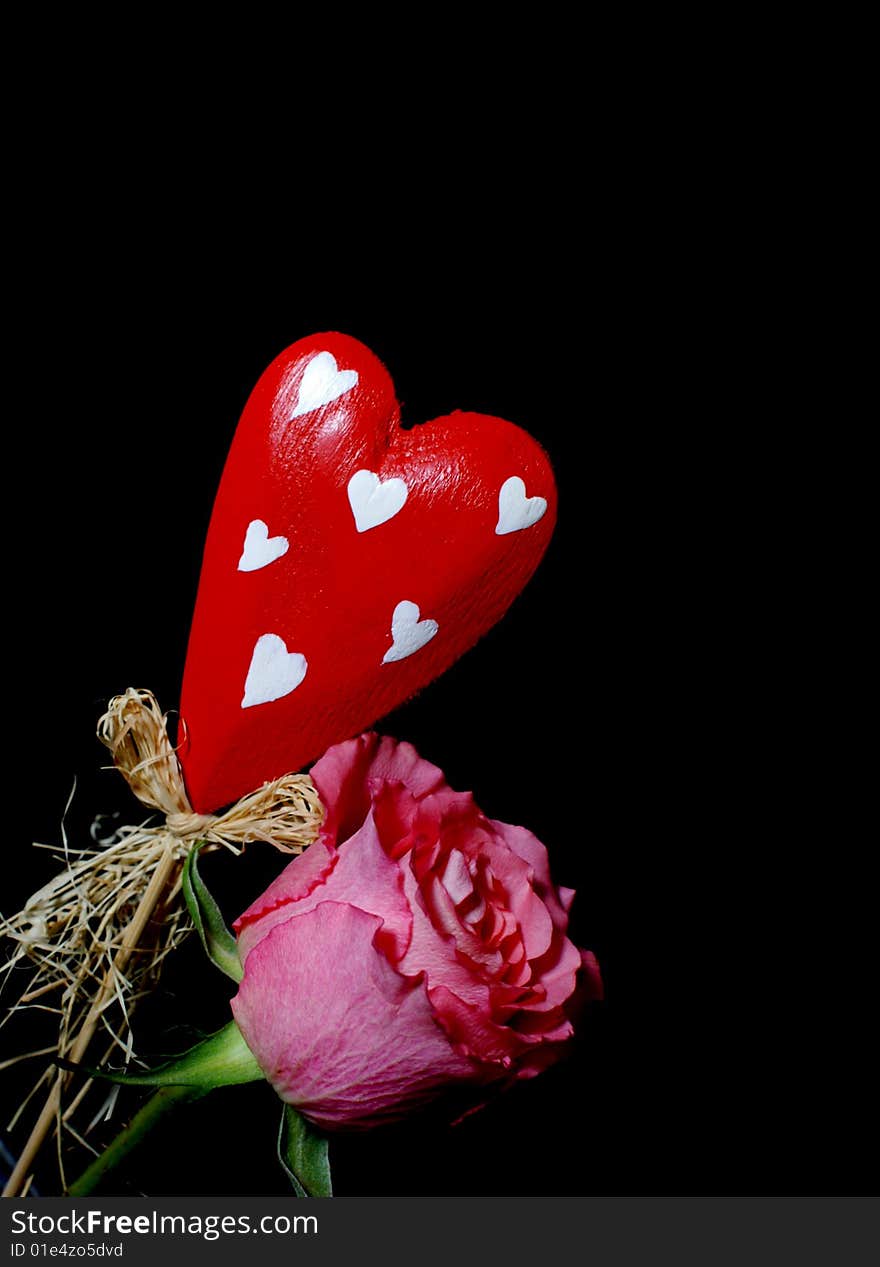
[216,938]
[302,1151]
[222,1060]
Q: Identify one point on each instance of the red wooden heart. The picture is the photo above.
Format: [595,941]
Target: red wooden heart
[347,563]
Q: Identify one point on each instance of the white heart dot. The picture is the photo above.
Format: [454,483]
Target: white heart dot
[274,671]
[408,633]
[322,381]
[515,510]
[374,501]
[259,548]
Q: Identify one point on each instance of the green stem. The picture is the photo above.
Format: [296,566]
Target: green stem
[158,1105]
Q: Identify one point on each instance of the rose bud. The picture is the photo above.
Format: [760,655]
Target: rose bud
[416,948]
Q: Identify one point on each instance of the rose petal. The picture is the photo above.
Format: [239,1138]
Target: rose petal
[299,878]
[473,1032]
[435,955]
[532,919]
[428,950]
[589,988]
[401,820]
[364,875]
[337,1030]
[541,1057]
[530,849]
[350,774]
[557,972]
[456,878]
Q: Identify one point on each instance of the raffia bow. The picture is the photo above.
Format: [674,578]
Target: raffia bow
[100,929]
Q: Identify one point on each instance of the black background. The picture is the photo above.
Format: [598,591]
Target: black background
[643,707]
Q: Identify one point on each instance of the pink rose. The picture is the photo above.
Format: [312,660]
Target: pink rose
[424,953]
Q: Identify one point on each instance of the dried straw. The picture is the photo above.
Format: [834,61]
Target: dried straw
[99,931]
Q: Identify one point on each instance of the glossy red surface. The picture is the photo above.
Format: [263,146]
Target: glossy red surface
[323,605]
